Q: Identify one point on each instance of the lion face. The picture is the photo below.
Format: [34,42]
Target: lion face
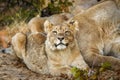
[61,36]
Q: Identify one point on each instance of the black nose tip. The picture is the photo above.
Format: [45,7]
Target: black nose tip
[3,51]
[61,38]
[98,0]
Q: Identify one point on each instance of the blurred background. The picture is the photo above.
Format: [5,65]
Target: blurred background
[24,10]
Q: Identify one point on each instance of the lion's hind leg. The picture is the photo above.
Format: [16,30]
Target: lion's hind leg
[18,43]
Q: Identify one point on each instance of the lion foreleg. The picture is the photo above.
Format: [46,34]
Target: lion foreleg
[18,43]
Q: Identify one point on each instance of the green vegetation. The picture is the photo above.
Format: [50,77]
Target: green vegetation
[58,6]
[20,10]
[90,75]
[24,10]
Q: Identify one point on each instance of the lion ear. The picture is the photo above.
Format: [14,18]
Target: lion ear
[74,25]
[47,26]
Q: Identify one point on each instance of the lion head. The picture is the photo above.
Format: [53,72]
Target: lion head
[62,36]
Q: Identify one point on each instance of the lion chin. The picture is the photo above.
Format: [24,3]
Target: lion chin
[61,46]
[57,46]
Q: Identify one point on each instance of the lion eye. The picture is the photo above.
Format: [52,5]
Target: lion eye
[67,32]
[54,32]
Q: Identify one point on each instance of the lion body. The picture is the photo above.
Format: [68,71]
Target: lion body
[97,34]
[42,56]
[36,23]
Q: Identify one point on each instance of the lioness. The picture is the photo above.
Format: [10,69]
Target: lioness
[36,23]
[97,33]
[59,53]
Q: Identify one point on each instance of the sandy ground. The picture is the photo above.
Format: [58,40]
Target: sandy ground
[12,68]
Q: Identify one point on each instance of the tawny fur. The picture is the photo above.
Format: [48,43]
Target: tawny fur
[36,23]
[31,47]
[31,50]
[79,6]
[96,35]
[40,58]
[62,57]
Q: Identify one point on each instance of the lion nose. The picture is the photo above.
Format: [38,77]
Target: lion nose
[60,38]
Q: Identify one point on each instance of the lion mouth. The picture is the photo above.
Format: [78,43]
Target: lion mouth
[61,44]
